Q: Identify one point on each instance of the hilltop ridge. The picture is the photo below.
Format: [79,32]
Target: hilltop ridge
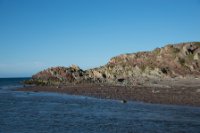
[171,61]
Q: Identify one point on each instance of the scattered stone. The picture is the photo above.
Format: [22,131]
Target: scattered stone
[198,91]
[120,80]
[155,91]
[123,101]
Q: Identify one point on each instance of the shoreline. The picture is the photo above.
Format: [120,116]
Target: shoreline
[177,95]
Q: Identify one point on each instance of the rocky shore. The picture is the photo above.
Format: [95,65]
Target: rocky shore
[167,75]
[180,92]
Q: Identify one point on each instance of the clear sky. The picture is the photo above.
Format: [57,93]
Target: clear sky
[37,34]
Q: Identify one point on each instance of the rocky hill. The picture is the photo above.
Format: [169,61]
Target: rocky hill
[172,61]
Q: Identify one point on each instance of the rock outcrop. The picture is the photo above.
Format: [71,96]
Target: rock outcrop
[180,60]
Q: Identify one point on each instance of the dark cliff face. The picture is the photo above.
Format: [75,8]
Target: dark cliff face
[178,60]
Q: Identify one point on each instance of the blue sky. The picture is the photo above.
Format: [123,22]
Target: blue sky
[37,34]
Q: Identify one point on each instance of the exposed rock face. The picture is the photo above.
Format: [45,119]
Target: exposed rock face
[58,75]
[180,60]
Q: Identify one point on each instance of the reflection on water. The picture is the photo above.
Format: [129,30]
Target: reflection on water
[28,112]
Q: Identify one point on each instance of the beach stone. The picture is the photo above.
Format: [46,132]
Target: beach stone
[121,80]
[155,91]
[123,101]
[198,90]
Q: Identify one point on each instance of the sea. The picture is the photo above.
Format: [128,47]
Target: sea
[42,112]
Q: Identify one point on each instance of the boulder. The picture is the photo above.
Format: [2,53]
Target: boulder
[197,56]
[189,48]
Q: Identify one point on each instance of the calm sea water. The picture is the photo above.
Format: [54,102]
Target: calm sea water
[29,112]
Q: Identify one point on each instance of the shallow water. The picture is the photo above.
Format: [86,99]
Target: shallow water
[29,112]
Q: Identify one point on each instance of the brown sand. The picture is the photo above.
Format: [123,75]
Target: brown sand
[181,95]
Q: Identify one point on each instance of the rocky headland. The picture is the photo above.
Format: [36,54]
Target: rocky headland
[172,61]
[170,74]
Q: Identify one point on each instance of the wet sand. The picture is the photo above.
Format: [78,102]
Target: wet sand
[177,95]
